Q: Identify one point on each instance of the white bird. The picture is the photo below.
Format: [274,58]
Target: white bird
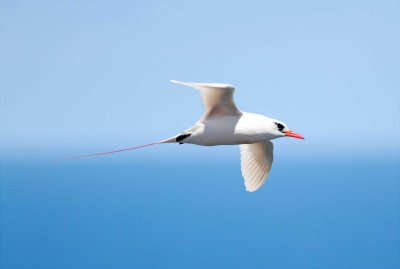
[224,124]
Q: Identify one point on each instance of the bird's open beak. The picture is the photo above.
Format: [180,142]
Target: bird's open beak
[293,134]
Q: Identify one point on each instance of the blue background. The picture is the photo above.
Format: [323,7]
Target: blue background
[82,77]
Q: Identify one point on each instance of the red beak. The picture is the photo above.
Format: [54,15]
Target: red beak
[293,134]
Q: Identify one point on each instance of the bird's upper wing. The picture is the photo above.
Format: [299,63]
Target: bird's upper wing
[256,160]
[217,98]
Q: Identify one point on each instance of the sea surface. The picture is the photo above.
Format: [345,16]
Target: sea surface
[165,213]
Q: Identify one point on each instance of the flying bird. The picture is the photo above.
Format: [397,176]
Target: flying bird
[224,124]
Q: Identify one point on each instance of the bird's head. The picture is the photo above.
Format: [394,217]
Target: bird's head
[280,129]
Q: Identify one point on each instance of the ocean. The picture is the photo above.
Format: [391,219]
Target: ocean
[164,213]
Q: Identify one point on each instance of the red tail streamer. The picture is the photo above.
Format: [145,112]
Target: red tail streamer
[110,152]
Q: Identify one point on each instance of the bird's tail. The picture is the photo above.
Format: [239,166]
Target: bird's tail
[169,140]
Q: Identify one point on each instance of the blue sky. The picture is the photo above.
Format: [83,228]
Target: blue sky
[95,75]
[79,77]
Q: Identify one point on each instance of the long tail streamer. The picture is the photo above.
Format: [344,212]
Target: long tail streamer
[110,152]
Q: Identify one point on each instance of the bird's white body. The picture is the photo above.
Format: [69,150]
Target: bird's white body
[247,128]
[224,124]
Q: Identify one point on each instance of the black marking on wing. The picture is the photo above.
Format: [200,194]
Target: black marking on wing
[181,137]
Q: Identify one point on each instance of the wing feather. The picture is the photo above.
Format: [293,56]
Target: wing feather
[256,162]
[217,98]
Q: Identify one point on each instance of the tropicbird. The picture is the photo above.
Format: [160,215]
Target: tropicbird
[224,124]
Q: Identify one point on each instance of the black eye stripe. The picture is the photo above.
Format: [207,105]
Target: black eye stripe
[280,126]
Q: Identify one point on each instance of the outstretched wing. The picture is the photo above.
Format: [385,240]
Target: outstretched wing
[217,98]
[256,161]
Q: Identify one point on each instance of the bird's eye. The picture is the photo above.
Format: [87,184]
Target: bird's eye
[280,126]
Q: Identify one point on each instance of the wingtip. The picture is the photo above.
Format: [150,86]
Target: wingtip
[251,190]
[181,83]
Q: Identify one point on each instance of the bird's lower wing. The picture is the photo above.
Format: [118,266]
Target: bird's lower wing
[256,161]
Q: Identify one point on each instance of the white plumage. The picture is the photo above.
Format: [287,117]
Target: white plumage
[256,161]
[224,124]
